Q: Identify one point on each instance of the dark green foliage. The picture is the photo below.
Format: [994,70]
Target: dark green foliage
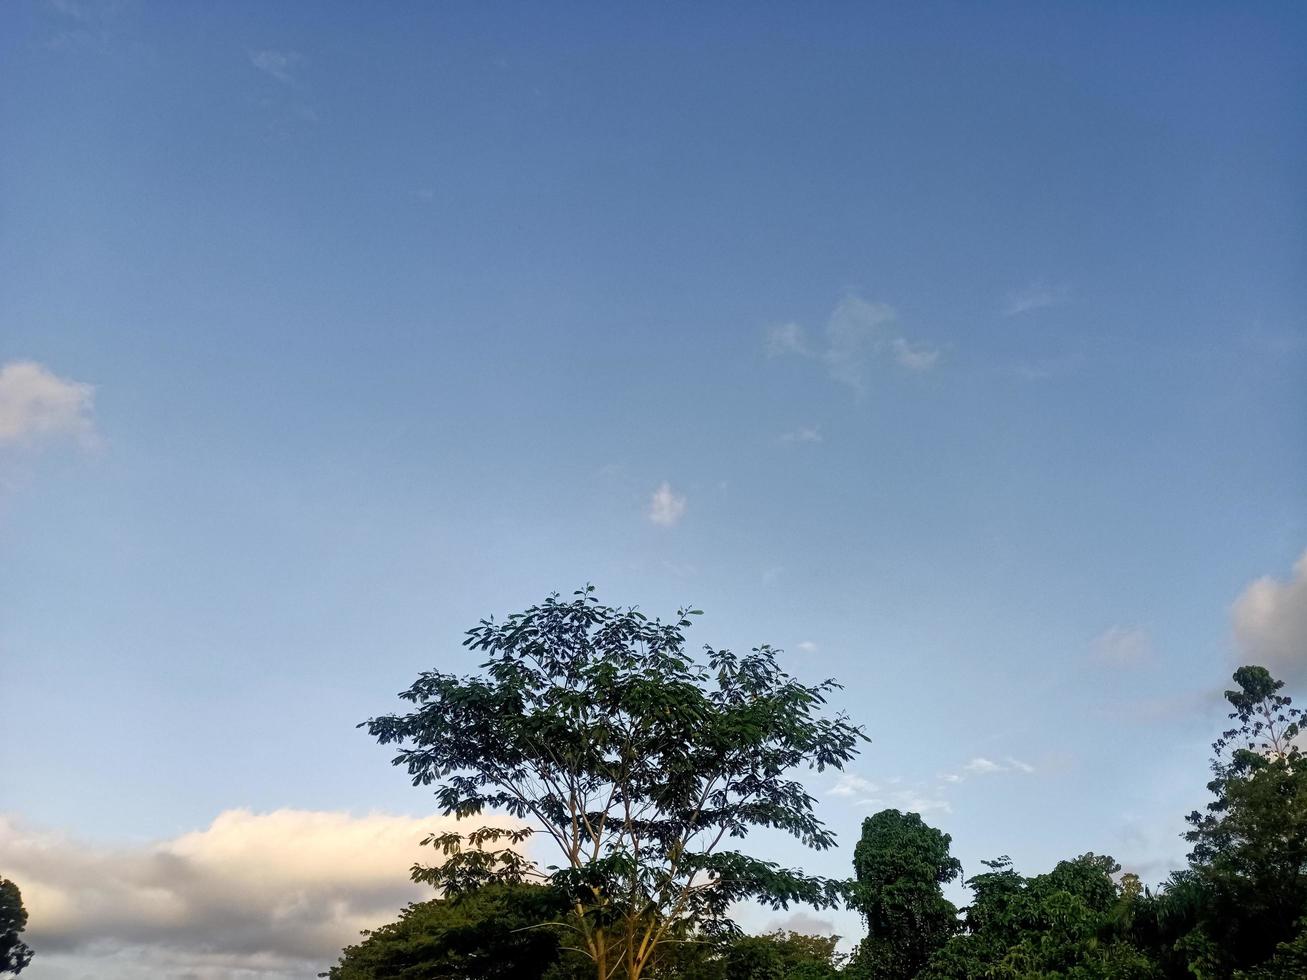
[1238,911]
[638,761]
[900,865]
[782,956]
[1250,846]
[1289,962]
[500,932]
[14,953]
[1073,922]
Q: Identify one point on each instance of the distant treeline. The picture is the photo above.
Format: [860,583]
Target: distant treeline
[643,766]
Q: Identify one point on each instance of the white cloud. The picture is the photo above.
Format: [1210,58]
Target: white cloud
[1036,296]
[850,784]
[981,765]
[1270,624]
[803,433]
[666,507]
[280,65]
[857,333]
[273,893]
[807,646]
[1123,646]
[1020,766]
[36,404]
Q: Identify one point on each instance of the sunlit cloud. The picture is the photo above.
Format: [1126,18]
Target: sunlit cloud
[1270,623]
[266,892]
[36,405]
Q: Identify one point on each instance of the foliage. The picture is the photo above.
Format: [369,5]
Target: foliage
[497,932]
[594,725]
[1250,846]
[783,955]
[1071,922]
[14,953]
[900,865]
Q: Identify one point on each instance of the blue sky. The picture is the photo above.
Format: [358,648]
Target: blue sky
[959,350]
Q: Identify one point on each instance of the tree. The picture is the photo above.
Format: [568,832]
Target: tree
[900,865]
[496,933]
[1250,846]
[14,953]
[783,955]
[1071,922]
[594,726]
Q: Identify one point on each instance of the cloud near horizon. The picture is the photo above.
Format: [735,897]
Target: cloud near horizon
[273,893]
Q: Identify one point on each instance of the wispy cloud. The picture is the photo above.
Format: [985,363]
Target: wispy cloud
[917,358]
[1036,296]
[1122,646]
[36,405]
[807,646]
[851,784]
[908,800]
[666,507]
[281,65]
[979,766]
[786,338]
[802,434]
[857,333]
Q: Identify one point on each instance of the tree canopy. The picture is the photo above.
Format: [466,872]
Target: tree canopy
[14,953]
[900,865]
[642,764]
[495,933]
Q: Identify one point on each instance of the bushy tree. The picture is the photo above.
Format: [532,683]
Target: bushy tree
[783,955]
[1071,922]
[639,762]
[900,865]
[14,953]
[500,932]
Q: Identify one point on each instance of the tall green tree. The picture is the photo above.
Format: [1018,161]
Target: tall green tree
[14,953]
[901,865]
[642,765]
[1250,845]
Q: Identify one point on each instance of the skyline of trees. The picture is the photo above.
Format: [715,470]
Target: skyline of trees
[594,723]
